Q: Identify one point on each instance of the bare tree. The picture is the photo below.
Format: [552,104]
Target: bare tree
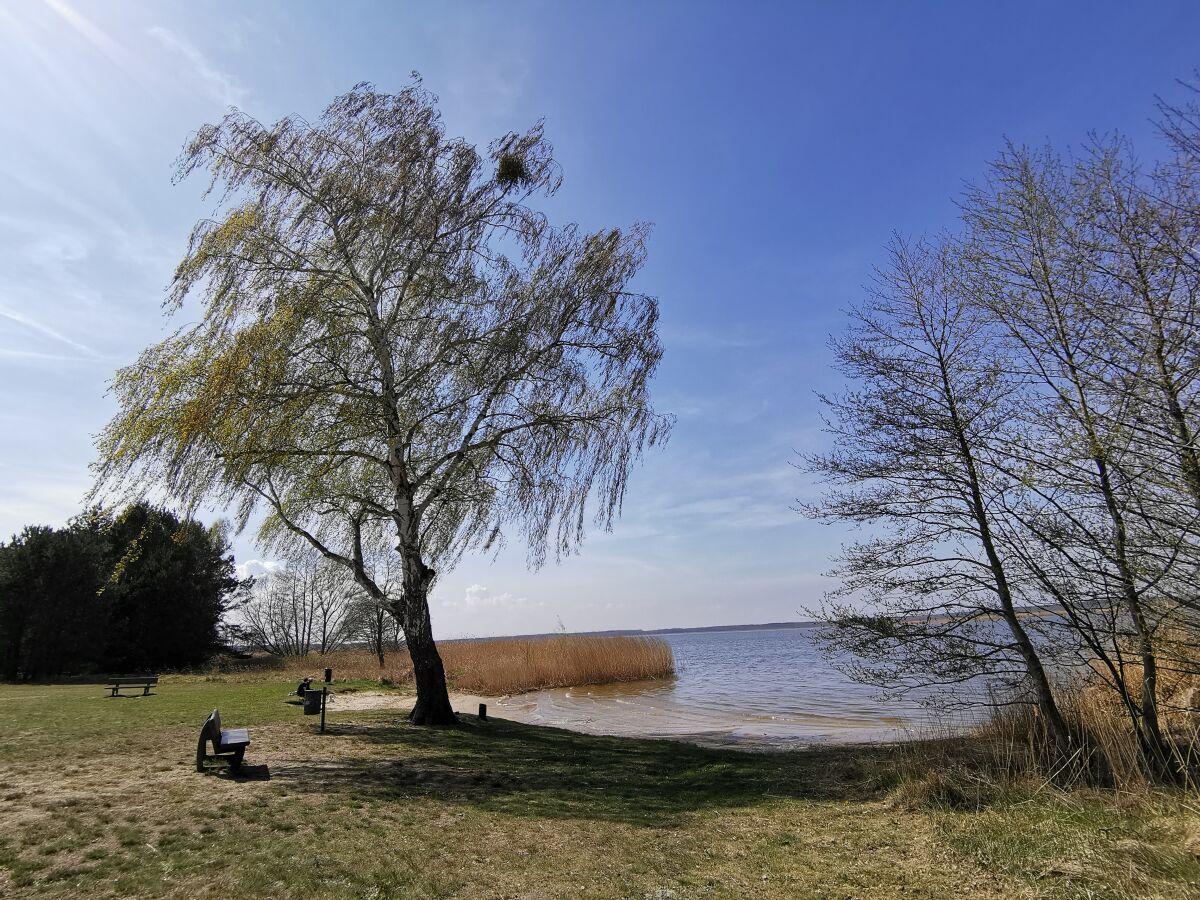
[310,606]
[393,340]
[1179,123]
[378,628]
[374,621]
[1027,403]
[1139,233]
[1142,235]
[1100,548]
[1177,206]
[912,437]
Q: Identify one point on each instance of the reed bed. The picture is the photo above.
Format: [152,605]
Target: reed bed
[502,666]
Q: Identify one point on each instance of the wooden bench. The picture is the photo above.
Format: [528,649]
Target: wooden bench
[145,682]
[230,742]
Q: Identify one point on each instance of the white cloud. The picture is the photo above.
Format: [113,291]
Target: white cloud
[37,357]
[708,339]
[110,48]
[258,567]
[477,596]
[220,86]
[47,495]
[486,79]
[716,410]
[33,325]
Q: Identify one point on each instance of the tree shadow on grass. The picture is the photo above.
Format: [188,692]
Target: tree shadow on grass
[526,770]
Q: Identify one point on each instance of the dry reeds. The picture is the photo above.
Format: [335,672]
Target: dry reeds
[1105,746]
[503,666]
[514,666]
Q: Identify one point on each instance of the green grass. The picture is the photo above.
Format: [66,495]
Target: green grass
[100,799]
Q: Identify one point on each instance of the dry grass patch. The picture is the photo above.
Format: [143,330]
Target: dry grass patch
[502,666]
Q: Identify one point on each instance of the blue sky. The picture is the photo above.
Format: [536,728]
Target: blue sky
[775,147]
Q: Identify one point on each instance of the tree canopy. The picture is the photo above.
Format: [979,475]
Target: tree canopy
[395,346]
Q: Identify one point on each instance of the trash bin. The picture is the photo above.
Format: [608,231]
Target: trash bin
[312,703]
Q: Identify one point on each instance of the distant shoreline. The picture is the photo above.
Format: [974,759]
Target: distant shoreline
[764,626]
[644,632]
[1030,610]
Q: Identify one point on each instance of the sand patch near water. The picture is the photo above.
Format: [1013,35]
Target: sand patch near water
[363,700]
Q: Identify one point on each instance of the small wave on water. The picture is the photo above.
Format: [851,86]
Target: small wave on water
[761,689]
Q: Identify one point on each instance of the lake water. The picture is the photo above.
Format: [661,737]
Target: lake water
[757,688]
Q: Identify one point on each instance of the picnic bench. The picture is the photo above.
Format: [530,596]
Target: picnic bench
[145,682]
[231,742]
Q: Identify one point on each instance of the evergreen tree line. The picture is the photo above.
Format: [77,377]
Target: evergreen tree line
[136,591]
[1019,441]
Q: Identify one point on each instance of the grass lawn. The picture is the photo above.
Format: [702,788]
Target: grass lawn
[99,798]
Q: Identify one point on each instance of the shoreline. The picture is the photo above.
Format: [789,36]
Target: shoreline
[734,738]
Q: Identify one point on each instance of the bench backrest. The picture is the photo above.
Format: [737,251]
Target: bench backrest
[212,730]
[145,679]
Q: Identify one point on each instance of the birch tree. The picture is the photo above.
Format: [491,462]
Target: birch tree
[392,339]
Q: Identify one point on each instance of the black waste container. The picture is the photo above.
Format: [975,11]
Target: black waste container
[312,703]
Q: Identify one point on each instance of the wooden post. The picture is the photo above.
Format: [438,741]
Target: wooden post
[324,697]
[482,712]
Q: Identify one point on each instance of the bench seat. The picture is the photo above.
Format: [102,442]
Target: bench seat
[233,737]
